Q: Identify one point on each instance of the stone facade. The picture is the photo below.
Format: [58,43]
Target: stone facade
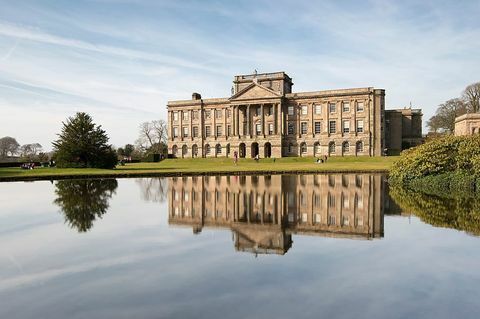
[264,211]
[403,129]
[264,117]
[467,124]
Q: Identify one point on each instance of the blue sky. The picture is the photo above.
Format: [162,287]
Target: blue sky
[122,60]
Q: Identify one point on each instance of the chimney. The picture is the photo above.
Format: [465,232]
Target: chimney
[196,96]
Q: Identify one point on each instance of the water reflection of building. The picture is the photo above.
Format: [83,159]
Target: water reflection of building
[264,211]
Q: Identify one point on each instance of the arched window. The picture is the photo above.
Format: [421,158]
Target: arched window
[184,150]
[359,146]
[207,149]
[331,148]
[194,150]
[345,147]
[218,149]
[316,148]
[174,150]
[303,148]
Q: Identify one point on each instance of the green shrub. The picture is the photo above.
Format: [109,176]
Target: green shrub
[438,156]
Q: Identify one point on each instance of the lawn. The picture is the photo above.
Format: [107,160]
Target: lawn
[171,167]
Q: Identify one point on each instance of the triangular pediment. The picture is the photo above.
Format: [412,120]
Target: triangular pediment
[254,91]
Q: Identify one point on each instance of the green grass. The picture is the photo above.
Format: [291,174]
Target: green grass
[210,165]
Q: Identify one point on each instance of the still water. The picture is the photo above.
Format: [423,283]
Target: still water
[303,246]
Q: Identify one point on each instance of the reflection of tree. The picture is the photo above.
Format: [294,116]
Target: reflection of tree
[153,189]
[82,201]
[462,213]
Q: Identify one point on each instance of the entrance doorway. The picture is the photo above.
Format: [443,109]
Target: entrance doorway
[241,150]
[254,149]
[268,150]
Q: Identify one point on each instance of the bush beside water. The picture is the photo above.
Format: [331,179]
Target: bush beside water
[449,165]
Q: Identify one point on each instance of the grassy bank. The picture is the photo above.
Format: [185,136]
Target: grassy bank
[172,167]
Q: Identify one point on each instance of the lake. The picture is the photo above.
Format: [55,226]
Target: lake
[279,246]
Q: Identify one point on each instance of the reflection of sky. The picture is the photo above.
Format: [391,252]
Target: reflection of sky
[132,264]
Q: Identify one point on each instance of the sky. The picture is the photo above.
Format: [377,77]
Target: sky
[122,60]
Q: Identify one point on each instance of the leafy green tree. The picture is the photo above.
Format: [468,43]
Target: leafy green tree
[84,201]
[128,150]
[82,143]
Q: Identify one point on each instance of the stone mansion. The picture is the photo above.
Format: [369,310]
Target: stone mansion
[264,117]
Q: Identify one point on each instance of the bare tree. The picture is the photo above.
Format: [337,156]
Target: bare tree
[153,189]
[153,136]
[30,151]
[444,118]
[8,146]
[471,96]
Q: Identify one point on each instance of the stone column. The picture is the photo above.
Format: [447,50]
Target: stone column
[298,122]
[263,120]
[180,114]
[234,124]
[191,124]
[249,133]
[238,122]
[225,131]
[312,107]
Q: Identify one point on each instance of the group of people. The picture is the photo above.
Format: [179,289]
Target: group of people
[28,166]
[322,159]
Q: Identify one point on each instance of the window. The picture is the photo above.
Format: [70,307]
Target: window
[185,115]
[304,110]
[207,151]
[346,107]
[207,114]
[332,107]
[229,130]
[175,116]
[318,109]
[258,129]
[316,148]
[291,129]
[359,147]
[208,131]
[332,127]
[360,107]
[360,126]
[175,132]
[318,127]
[218,149]
[195,115]
[185,131]
[218,114]
[317,219]
[303,148]
[290,110]
[304,127]
[331,148]
[219,130]
[331,200]
[269,110]
[345,147]
[290,148]
[270,129]
[346,126]
[195,131]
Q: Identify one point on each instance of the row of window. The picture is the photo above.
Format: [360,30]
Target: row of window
[332,129]
[331,148]
[332,108]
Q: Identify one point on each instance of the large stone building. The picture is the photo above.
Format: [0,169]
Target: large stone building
[403,129]
[467,124]
[264,211]
[263,116]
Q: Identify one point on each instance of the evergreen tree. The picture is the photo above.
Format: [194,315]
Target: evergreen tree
[82,143]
